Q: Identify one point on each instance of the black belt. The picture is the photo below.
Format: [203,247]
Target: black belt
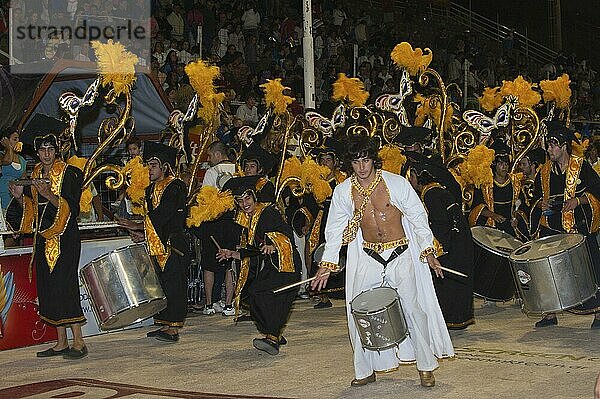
[397,252]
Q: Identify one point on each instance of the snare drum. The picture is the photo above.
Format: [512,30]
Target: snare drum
[493,278]
[553,273]
[123,286]
[379,318]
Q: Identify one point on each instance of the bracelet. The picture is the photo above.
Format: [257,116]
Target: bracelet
[329,265]
[426,252]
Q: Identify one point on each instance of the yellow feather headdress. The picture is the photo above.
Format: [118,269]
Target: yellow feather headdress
[139,180]
[557,90]
[202,77]
[491,98]
[85,202]
[351,89]
[393,159]
[579,147]
[311,174]
[116,65]
[476,169]
[274,96]
[425,110]
[521,89]
[414,61]
[210,204]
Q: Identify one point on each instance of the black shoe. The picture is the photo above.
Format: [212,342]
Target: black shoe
[282,341]
[545,322]
[595,324]
[166,337]
[323,305]
[51,352]
[153,333]
[266,345]
[75,354]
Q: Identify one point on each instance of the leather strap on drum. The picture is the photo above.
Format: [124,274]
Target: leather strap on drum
[397,252]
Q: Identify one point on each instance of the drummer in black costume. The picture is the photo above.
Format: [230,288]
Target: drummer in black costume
[164,231]
[568,189]
[256,161]
[451,229]
[529,165]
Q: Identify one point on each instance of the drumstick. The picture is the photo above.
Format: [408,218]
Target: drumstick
[297,283]
[216,243]
[453,272]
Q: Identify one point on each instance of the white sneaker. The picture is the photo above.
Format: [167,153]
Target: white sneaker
[208,310]
[219,306]
[228,311]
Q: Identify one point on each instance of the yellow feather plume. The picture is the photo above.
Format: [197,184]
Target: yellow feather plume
[425,111]
[521,89]
[116,65]
[351,89]
[85,202]
[292,167]
[393,159]
[491,98]
[202,77]
[578,146]
[311,174]
[210,204]
[476,168]
[557,90]
[414,61]
[138,180]
[274,96]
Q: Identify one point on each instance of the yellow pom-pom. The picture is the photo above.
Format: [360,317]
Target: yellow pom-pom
[138,180]
[414,61]
[521,89]
[210,205]
[85,202]
[116,65]
[202,77]
[491,98]
[351,89]
[274,96]
[476,169]
[557,90]
[393,159]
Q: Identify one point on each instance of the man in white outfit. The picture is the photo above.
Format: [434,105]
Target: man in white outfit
[380,218]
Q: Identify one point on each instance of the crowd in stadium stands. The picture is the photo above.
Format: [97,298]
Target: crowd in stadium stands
[253,41]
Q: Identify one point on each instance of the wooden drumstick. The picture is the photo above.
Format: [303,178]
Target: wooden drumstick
[216,243]
[453,272]
[298,283]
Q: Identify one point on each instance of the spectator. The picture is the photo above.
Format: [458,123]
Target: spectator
[251,18]
[177,23]
[248,112]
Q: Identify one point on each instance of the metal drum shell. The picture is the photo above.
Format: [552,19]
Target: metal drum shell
[553,282]
[123,286]
[382,327]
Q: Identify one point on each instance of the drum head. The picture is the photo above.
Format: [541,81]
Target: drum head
[495,241]
[374,300]
[546,247]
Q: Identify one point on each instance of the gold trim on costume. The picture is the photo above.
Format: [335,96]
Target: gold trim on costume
[351,229]
[63,214]
[28,217]
[428,187]
[63,321]
[168,323]
[379,247]
[475,213]
[571,178]
[488,196]
[260,183]
[155,246]
[426,252]
[545,177]
[285,251]
[463,324]
[315,233]
[329,265]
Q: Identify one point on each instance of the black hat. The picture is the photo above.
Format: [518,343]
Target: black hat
[413,135]
[559,133]
[163,153]
[258,154]
[43,130]
[240,185]
[501,150]
[537,156]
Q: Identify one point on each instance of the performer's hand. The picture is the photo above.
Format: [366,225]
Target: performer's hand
[129,224]
[16,191]
[545,205]
[5,143]
[42,188]
[226,254]
[435,265]
[498,218]
[320,280]
[268,249]
[513,222]
[137,236]
[570,204]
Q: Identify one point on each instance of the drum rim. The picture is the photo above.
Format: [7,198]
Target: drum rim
[494,250]
[113,251]
[378,310]
[582,242]
[103,324]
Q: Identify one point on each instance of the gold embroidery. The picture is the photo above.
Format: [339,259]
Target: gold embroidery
[155,246]
[517,183]
[284,251]
[329,265]
[353,225]
[426,252]
[475,213]
[428,187]
[379,247]
[61,322]
[315,233]
[260,183]
[168,323]
[28,217]
[438,247]
[545,177]
[571,178]
[63,214]
[488,196]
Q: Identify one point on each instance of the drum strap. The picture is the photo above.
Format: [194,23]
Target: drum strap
[397,252]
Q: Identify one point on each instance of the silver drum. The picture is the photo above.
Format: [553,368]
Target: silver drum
[553,273]
[123,286]
[379,318]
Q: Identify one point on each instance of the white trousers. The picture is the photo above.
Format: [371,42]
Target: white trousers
[400,275]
